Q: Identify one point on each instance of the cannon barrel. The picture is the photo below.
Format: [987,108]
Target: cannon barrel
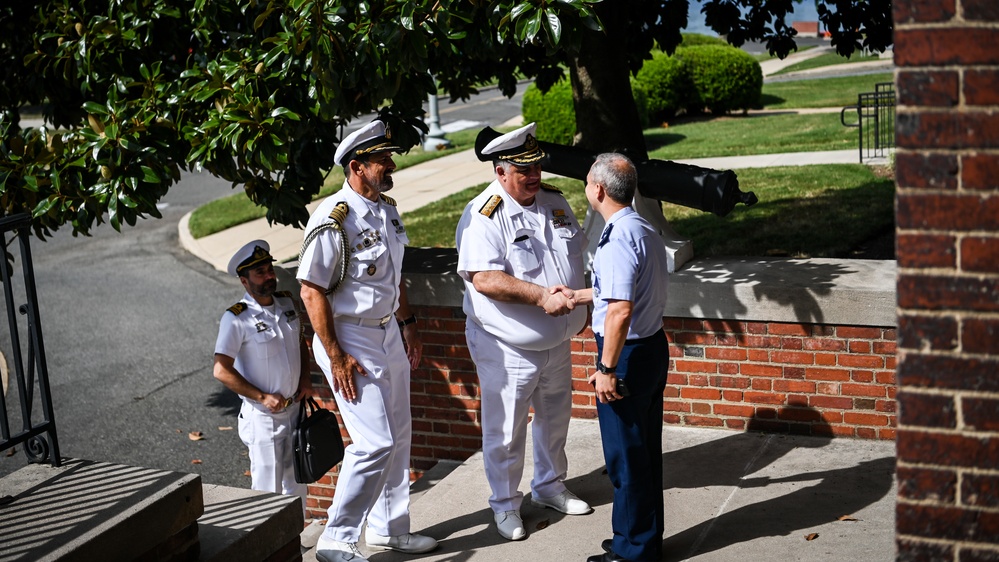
[691,186]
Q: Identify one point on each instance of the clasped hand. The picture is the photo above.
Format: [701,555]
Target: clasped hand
[560,300]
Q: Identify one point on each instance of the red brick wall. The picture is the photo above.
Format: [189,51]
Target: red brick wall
[805,379]
[792,378]
[948,279]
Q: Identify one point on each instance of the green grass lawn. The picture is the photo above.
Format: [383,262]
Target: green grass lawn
[824,92]
[792,217]
[750,134]
[827,59]
[803,211]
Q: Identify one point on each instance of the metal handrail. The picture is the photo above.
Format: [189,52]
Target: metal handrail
[877,109]
[39,437]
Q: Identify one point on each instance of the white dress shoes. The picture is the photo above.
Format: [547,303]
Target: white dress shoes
[408,543]
[336,551]
[510,525]
[566,502]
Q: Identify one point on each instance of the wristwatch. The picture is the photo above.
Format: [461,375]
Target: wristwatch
[605,369]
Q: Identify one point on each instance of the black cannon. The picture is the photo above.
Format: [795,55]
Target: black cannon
[691,186]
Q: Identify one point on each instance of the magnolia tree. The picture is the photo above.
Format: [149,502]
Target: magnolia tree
[133,92]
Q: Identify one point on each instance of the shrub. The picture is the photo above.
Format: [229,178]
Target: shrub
[724,78]
[641,102]
[666,84]
[692,39]
[552,111]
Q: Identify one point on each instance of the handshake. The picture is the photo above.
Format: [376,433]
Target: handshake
[559,300]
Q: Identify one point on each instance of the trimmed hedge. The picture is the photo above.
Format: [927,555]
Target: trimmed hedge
[694,39]
[641,102]
[704,74]
[724,78]
[553,112]
[667,86]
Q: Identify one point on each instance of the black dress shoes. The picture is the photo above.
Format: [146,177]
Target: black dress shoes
[606,545]
[606,557]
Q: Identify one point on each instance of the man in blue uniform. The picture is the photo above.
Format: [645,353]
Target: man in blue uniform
[261,356]
[351,273]
[515,240]
[629,297]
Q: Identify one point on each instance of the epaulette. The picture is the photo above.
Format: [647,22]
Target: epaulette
[491,205]
[550,187]
[237,308]
[336,218]
[285,294]
[339,212]
[387,199]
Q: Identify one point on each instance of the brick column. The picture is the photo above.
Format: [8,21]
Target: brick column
[947,54]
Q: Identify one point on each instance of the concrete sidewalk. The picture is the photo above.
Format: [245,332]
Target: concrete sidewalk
[729,497]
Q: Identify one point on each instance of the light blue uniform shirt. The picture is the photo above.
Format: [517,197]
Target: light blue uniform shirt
[630,265]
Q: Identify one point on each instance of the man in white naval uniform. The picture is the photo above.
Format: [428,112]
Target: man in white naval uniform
[515,240]
[351,273]
[261,355]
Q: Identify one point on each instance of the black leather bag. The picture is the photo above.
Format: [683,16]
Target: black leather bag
[318,443]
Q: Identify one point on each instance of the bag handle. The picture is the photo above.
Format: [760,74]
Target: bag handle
[309,404]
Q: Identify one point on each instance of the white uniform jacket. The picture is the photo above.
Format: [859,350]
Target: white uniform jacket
[377,241]
[542,245]
[265,346]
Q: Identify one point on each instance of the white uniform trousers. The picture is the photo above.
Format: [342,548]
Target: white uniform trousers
[513,380]
[269,437]
[373,484]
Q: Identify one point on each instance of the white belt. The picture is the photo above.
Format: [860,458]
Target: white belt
[369,322]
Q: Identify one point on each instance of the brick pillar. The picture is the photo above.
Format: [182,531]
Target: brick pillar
[947,54]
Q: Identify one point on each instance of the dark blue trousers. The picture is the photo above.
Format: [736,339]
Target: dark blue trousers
[631,431]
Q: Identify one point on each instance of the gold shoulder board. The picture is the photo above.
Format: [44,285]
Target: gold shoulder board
[339,213]
[387,199]
[549,187]
[237,308]
[285,294]
[491,205]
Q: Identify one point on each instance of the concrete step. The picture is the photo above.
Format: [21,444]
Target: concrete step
[240,524]
[90,510]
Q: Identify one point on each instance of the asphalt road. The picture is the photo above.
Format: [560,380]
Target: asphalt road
[129,322]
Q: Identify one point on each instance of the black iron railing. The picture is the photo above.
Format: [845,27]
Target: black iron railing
[38,429]
[875,120]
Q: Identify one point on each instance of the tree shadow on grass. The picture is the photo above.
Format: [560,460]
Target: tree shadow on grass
[659,139]
[787,227]
[769,99]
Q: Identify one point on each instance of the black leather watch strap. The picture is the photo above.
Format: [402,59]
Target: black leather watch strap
[605,369]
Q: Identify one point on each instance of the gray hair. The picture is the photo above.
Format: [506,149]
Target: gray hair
[618,176]
[505,164]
